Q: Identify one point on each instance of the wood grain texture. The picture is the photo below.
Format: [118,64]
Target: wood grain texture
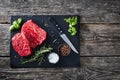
[99,36]
[100,39]
[4,40]
[93,68]
[96,39]
[97,11]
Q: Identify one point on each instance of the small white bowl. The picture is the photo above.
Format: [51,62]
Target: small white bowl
[53,58]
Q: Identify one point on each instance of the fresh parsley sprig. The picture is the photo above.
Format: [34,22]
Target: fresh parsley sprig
[72,21]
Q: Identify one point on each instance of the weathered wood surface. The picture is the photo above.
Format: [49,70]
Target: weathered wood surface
[91,11]
[99,36]
[100,39]
[92,68]
[4,40]
[96,39]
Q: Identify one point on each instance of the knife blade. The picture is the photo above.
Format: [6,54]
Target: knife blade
[63,35]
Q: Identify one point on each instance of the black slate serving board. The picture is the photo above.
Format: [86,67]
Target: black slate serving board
[53,39]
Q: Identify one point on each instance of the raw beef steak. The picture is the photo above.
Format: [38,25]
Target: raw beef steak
[21,44]
[33,33]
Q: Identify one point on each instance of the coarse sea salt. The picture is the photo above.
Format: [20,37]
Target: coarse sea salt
[53,57]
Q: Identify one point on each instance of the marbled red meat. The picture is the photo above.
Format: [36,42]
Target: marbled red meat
[21,44]
[34,33]
[31,35]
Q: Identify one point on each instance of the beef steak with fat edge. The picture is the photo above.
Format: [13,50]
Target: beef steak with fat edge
[21,44]
[31,35]
[35,34]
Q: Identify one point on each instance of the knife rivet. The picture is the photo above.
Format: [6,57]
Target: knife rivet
[60,31]
[56,25]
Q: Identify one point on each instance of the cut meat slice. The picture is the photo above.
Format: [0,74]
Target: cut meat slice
[21,44]
[31,35]
[35,34]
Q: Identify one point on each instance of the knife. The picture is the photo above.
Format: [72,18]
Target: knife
[63,35]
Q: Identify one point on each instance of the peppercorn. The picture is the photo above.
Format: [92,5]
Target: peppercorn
[64,49]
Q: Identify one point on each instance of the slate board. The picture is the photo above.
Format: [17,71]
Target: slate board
[72,60]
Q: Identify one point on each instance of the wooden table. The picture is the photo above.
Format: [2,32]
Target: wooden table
[99,36]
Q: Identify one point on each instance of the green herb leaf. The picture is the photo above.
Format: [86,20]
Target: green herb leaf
[11,28]
[19,21]
[15,24]
[72,21]
[39,55]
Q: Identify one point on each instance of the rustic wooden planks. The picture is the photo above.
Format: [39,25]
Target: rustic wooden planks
[97,11]
[99,35]
[96,39]
[93,68]
[100,39]
[4,39]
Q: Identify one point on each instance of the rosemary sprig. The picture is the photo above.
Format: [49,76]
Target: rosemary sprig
[39,55]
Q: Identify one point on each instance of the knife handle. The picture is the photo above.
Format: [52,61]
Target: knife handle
[56,25]
[59,29]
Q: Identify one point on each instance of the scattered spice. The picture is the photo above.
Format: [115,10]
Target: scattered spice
[64,49]
[16,56]
[46,24]
[54,40]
